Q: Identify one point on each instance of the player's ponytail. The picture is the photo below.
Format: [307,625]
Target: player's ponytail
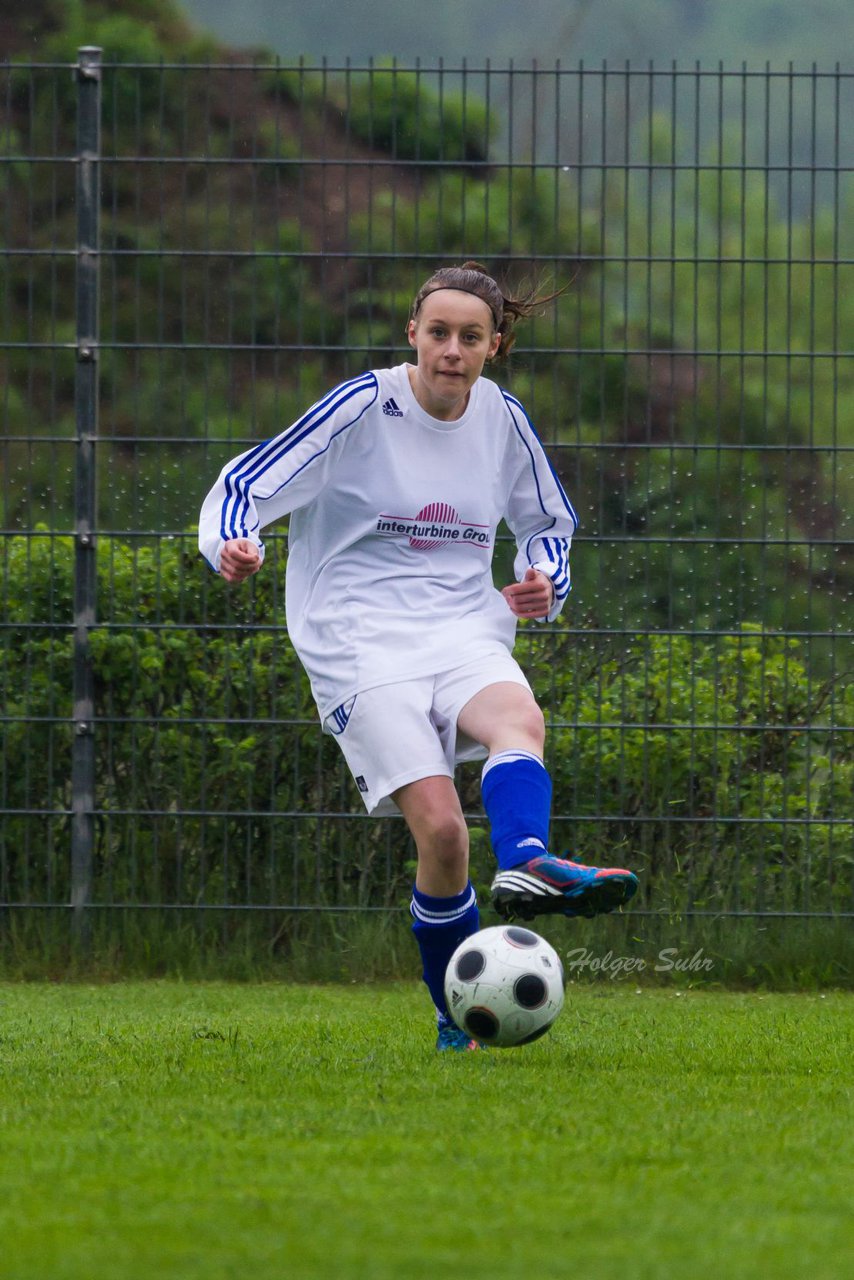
[506,309]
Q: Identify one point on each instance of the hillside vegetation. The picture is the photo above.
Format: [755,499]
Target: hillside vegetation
[296,263]
[690,385]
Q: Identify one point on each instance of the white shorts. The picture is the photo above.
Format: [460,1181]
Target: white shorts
[397,733]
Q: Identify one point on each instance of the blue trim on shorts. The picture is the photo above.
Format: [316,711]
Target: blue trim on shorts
[338,719]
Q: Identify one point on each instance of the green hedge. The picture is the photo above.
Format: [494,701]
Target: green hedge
[715,766]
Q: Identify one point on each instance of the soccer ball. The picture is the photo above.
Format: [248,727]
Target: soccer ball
[504,986]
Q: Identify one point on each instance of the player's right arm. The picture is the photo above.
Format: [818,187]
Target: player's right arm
[239,559]
[276,477]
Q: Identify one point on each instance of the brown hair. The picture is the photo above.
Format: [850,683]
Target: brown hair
[474,278]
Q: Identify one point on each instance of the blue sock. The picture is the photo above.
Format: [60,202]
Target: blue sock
[440,925]
[517,797]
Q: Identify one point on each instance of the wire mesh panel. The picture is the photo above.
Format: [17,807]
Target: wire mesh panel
[262,231]
[38,458]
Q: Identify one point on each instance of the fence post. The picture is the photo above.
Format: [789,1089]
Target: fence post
[86,408]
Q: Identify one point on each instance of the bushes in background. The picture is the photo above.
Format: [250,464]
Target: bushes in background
[715,766]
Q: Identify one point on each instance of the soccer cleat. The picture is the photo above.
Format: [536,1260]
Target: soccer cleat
[451,1038]
[553,886]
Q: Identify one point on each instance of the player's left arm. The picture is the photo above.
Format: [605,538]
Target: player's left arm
[542,521]
[533,597]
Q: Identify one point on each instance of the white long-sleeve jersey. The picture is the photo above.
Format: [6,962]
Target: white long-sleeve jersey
[393,517]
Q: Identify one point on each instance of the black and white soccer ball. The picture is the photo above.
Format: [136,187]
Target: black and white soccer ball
[504,986]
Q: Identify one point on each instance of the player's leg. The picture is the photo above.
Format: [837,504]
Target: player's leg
[515,785]
[407,770]
[444,904]
[516,790]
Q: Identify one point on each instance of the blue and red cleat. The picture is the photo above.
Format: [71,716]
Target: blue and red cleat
[451,1038]
[554,886]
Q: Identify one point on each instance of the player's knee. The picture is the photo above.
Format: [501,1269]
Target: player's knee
[530,726]
[444,839]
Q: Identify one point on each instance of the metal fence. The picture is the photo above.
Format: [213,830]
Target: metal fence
[192,254]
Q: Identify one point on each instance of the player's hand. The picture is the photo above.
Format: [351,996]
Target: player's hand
[239,559]
[532,597]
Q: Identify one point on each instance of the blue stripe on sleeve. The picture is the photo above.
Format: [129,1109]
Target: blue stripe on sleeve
[238,482]
[512,403]
[558,555]
[556,548]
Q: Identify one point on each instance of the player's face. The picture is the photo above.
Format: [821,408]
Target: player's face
[454,335]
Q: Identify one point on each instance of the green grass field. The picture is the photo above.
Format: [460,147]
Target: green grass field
[211,1130]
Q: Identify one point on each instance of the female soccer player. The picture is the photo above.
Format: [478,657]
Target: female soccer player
[395,483]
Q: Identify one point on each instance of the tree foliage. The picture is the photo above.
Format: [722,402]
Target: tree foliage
[263,233]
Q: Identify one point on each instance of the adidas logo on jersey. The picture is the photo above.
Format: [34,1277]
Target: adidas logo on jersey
[391,410]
